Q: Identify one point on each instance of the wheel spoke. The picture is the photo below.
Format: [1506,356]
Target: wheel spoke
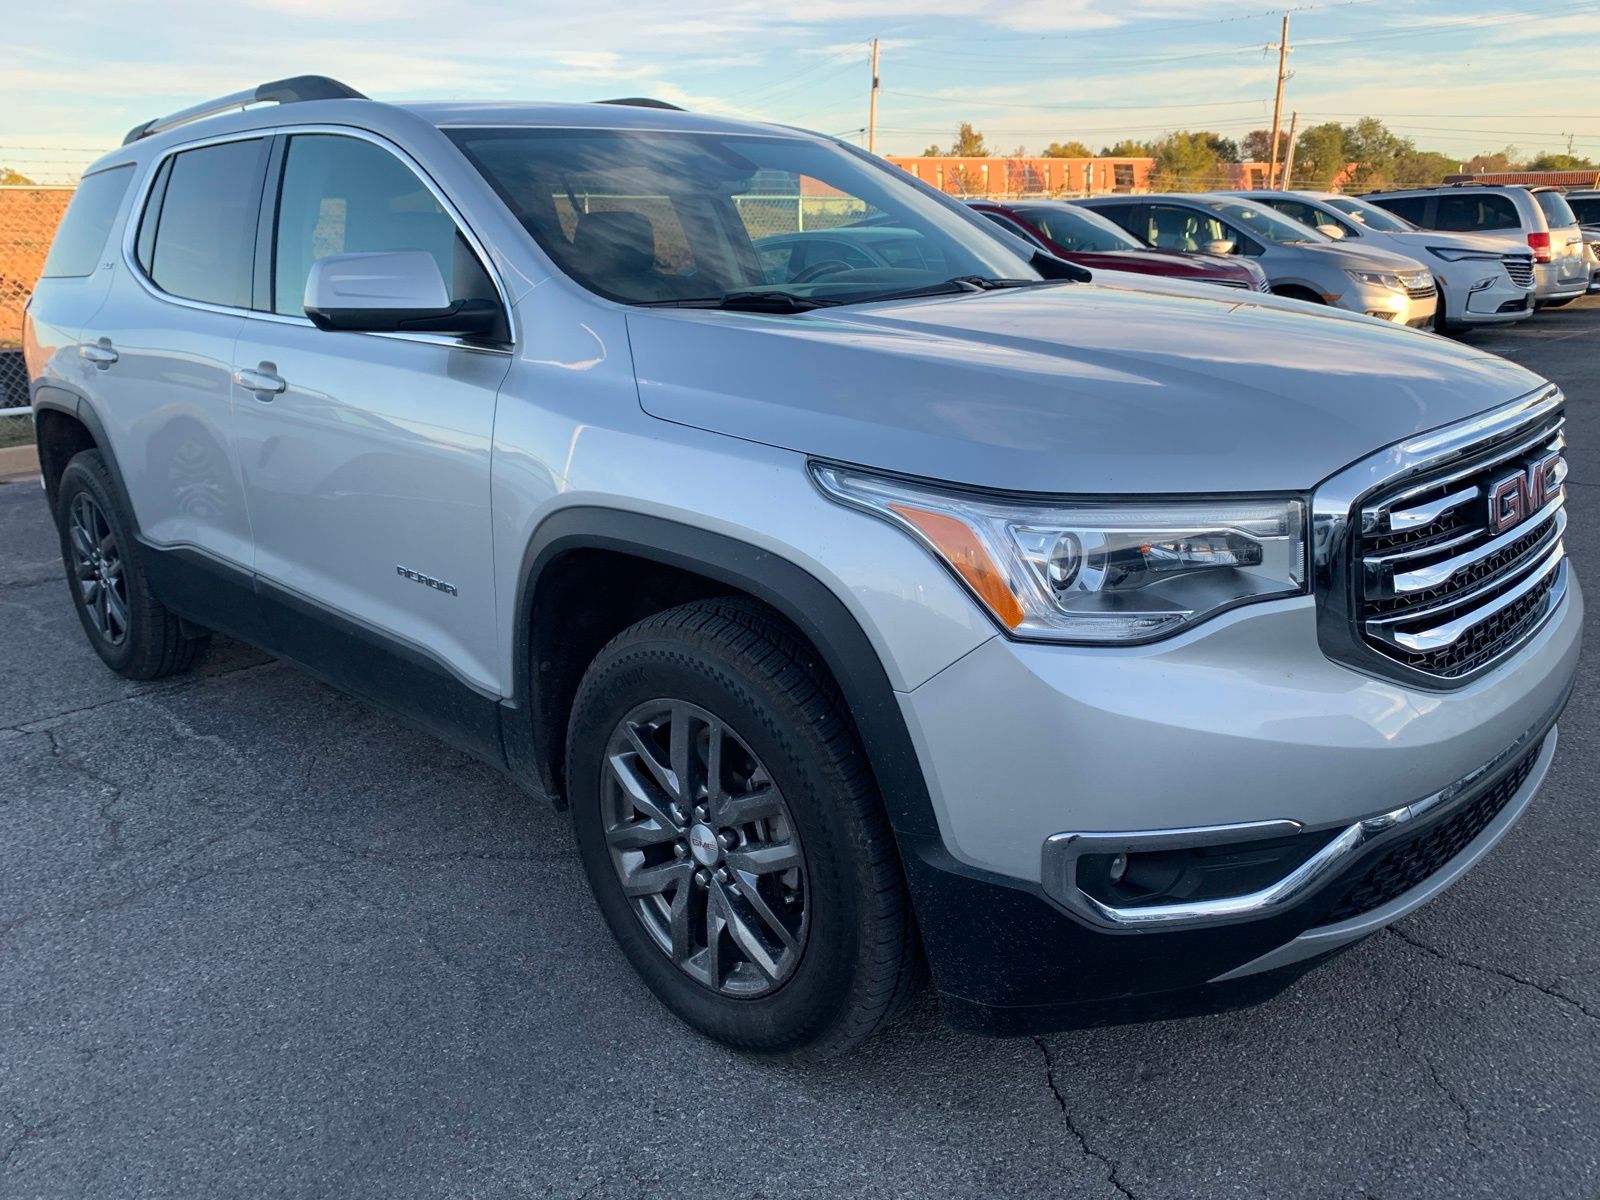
[746,938]
[88,589]
[758,805]
[652,881]
[638,790]
[82,543]
[751,894]
[764,859]
[679,923]
[713,950]
[636,835]
[117,611]
[681,749]
[659,771]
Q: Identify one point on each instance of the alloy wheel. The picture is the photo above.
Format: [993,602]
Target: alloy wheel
[98,569]
[705,848]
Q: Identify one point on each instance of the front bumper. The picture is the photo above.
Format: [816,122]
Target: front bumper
[1390,305]
[1501,303]
[1242,721]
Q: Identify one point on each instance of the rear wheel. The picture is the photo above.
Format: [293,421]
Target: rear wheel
[131,631]
[732,835]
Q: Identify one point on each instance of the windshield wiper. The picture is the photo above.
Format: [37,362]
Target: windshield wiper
[961,284]
[760,302]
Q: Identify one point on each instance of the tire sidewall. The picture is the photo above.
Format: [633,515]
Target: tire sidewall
[85,474]
[814,997]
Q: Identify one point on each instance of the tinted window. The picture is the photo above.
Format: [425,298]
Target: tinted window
[1476,210]
[87,223]
[342,195]
[1125,215]
[203,246]
[1078,228]
[1412,208]
[1557,212]
[1369,215]
[664,217]
[1586,209]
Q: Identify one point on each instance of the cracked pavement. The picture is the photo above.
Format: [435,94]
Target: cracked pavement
[259,940]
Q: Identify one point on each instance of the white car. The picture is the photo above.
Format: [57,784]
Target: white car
[1483,279]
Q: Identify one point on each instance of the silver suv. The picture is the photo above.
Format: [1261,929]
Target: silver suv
[1540,216]
[1117,653]
[1483,279]
[1300,262]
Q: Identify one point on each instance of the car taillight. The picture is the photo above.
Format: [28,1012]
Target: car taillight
[1539,243]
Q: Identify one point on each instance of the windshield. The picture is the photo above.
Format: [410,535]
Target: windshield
[1369,214]
[1557,212]
[1076,229]
[696,218]
[1265,223]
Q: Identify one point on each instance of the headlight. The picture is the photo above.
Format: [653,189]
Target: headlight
[1377,278]
[1094,571]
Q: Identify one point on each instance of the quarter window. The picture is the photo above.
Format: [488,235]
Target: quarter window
[343,195]
[197,235]
[1411,208]
[1465,211]
[87,223]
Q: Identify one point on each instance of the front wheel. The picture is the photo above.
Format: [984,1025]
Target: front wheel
[732,835]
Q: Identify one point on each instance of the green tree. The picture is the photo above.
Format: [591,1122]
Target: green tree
[1422,168]
[1257,146]
[1320,155]
[13,178]
[1067,150]
[1186,162]
[1560,162]
[968,143]
[1127,148]
[1493,161]
[1375,150]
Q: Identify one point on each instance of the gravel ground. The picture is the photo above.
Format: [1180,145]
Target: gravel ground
[258,940]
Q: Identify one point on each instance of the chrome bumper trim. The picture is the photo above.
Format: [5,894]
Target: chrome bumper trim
[1063,850]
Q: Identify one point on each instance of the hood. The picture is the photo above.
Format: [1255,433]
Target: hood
[1071,388]
[1151,262]
[1486,243]
[1365,256]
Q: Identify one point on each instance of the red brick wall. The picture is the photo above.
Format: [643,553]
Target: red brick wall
[28,220]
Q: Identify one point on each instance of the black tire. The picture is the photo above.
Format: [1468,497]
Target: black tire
[1296,292]
[860,964]
[147,642]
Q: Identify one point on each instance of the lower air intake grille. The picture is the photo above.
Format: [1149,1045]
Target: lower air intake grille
[1404,866]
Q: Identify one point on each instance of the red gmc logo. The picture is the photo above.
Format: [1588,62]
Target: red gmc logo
[1517,497]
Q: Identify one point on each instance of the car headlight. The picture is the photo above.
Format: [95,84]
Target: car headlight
[1385,279]
[1091,570]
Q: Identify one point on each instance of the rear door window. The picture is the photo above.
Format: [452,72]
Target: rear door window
[1412,208]
[1586,209]
[1466,211]
[87,223]
[1557,212]
[197,236]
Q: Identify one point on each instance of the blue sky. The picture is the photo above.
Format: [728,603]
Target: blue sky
[1457,77]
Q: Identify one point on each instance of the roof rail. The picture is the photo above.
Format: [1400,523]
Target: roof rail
[642,102]
[279,91]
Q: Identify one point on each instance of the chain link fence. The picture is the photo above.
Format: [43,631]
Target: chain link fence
[28,219]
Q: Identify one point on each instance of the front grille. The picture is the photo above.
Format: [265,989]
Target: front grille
[1456,568]
[1405,865]
[1263,286]
[1426,292]
[1520,268]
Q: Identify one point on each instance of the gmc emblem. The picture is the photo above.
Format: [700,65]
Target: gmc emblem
[1518,496]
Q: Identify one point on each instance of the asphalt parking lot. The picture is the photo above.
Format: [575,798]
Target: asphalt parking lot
[257,940]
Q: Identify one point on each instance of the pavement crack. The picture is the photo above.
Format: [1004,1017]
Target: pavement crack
[1440,1084]
[1561,997]
[29,1133]
[1089,1151]
[40,724]
[111,793]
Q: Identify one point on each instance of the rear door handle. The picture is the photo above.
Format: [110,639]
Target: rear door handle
[264,382]
[99,353]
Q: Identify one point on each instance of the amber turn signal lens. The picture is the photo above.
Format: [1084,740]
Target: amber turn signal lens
[963,551]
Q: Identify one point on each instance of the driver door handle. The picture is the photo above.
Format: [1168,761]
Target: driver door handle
[264,383]
[99,353]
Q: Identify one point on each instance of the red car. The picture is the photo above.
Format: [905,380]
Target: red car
[1090,240]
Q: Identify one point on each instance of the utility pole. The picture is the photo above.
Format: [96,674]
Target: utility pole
[1277,104]
[1288,155]
[872,104]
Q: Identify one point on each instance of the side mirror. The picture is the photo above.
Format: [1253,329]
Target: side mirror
[1330,230]
[391,291]
[1220,246]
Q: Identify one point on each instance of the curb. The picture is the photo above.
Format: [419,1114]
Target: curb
[19,464]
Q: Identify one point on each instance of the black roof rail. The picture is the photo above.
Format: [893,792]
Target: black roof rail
[642,102]
[279,91]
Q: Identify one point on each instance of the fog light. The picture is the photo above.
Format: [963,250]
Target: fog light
[1118,868]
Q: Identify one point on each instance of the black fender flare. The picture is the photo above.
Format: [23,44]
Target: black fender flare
[795,593]
[49,397]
